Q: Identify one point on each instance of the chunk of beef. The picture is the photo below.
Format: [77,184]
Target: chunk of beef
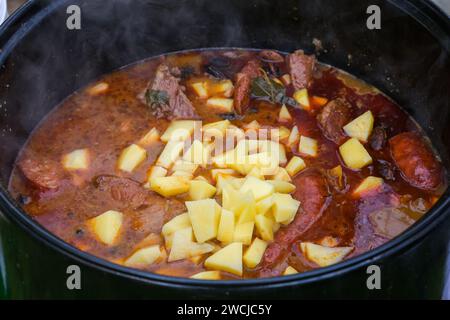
[416,161]
[313,193]
[176,104]
[378,138]
[243,85]
[124,190]
[331,119]
[43,174]
[271,56]
[301,68]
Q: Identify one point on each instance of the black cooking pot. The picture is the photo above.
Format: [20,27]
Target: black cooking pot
[43,61]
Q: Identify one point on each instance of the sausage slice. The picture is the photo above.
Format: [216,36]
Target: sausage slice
[243,85]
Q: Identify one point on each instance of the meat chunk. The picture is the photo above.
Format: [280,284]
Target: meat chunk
[243,85]
[378,138]
[416,161]
[301,68]
[331,119]
[313,194]
[167,98]
[45,174]
[271,56]
[124,190]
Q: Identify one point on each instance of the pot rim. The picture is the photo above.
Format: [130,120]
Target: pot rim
[417,9]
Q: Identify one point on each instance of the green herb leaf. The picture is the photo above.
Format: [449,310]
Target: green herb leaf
[267,89]
[156,98]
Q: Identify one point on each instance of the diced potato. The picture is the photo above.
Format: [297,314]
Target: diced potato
[237,182]
[144,257]
[228,259]
[170,186]
[338,174]
[149,138]
[284,115]
[243,233]
[294,137]
[308,146]
[368,185]
[179,222]
[215,129]
[361,127]
[265,205]
[228,172]
[265,227]
[284,208]
[170,154]
[131,157]
[254,253]
[107,226]
[248,213]
[260,189]
[275,149]
[302,98]
[354,154]
[282,175]
[183,246]
[225,232]
[267,162]
[256,172]
[235,133]
[200,89]
[196,153]
[254,125]
[154,172]
[186,166]
[98,88]
[205,217]
[324,256]
[295,165]
[246,147]
[234,200]
[201,178]
[281,135]
[223,87]
[180,130]
[201,190]
[282,186]
[184,174]
[222,181]
[207,275]
[289,270]
[222,105]
[76,160]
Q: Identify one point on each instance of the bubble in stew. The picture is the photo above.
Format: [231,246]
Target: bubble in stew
[227,164]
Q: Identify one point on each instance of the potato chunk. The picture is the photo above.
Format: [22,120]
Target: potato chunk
[263,206]
[107,226]
[170,186]
[205,217]
[289,270]
[260,189]
[265,227]
[221,88]
[324,256]
[170,154]
[199,190]
[131,157]
[284,115]
[282,175]
[284,208]
[215,129]
[225,232]
[144,257]
[201,89]
[197,153]
[294,136]
[207,275]
[183,247]
[179,222]
[222,105]
[361,127]
[76,160]
[295,165]
[368,185]
[254,253]
[228,259]
[154,172]
[179,130]
[354,154]
[282,186]
[149,138]
[308,146]
[302,98]
[244,232]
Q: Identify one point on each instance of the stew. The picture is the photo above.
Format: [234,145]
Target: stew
[225,164]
